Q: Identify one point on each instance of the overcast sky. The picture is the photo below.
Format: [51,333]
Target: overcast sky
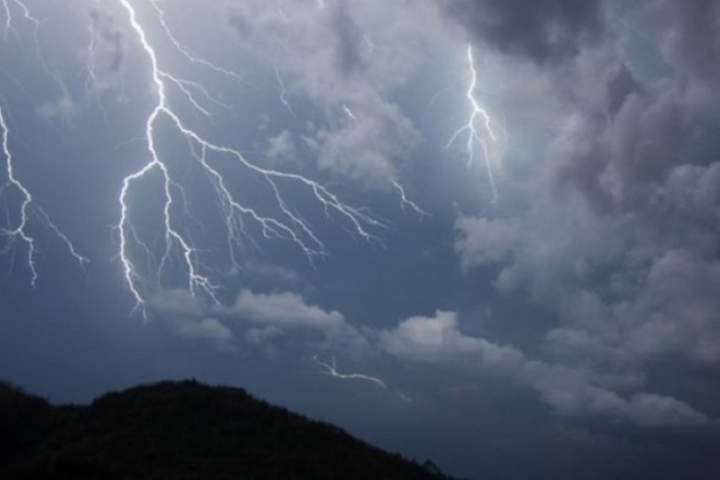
[482,232]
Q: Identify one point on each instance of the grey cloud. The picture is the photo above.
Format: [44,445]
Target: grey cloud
[281,147]
[620,227]
[322,54]
[206,329]
[691,41]
[542,30]
[176,302]
[347,33]
[570,391]
[110,39]
[278,312]
[283,310]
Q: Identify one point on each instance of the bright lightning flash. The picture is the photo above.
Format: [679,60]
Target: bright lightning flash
[473,135]
[288,225]
[28,209]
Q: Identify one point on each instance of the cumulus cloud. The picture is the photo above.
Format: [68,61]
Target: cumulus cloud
[283,309]
[281,147]
[570,391]
[348,58]
[279,312]
[206,329]
[615,228]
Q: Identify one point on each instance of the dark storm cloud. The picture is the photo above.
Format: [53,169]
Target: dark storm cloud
[348,38]
[543,30]
[621,234]
[692,43]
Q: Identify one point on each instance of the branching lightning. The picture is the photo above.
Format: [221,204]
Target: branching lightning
[331,370]
[289,225]
[283,90]
[9,18]
[28,208]
[19,231]
[470,129]
[178,247]
[406,202]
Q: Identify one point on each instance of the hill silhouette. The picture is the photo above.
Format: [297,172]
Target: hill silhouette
[182,430]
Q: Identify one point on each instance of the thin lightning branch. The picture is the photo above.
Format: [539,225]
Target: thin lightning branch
[289,226]
[19,232]
[405,202]
[349,113]
[283,90]
[330,369]
[409,203]
[189,55]
[91,80]
[28,206]
[472,133]
[369,42]
[26,15]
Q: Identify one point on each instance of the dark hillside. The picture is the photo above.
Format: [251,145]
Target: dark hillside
[181,430]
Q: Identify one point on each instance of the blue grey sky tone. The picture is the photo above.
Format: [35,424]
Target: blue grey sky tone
[482,232]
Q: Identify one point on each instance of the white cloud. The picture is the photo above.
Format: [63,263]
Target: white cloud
[286,309]
[571,391]
[206,329]
[352,54]
[281,147]
[289,311]
[176,302]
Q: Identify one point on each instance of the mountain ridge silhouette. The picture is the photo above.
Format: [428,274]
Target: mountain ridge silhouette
[183,430]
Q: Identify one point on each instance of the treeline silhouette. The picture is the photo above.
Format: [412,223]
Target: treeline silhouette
[182,430]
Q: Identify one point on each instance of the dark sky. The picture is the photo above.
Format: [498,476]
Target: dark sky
[482,232]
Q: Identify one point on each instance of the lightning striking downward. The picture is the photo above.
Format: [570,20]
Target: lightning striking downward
[9,18]
[28,209]
[472,132]
[288,224]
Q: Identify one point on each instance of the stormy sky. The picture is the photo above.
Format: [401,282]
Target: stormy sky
[482,232]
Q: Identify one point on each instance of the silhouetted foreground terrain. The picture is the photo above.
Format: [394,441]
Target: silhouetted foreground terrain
[182,430]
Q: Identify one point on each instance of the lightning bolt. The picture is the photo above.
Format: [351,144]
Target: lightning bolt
[9,18]
[28,207]
[331,370]
[283,90]
[288,225]
[19,232]
[189,55]
[406,202]
[470,129]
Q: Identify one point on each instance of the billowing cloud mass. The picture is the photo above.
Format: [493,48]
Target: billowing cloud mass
[506,210]
[619,235]
[569,390]
[542,30]
[341,59]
